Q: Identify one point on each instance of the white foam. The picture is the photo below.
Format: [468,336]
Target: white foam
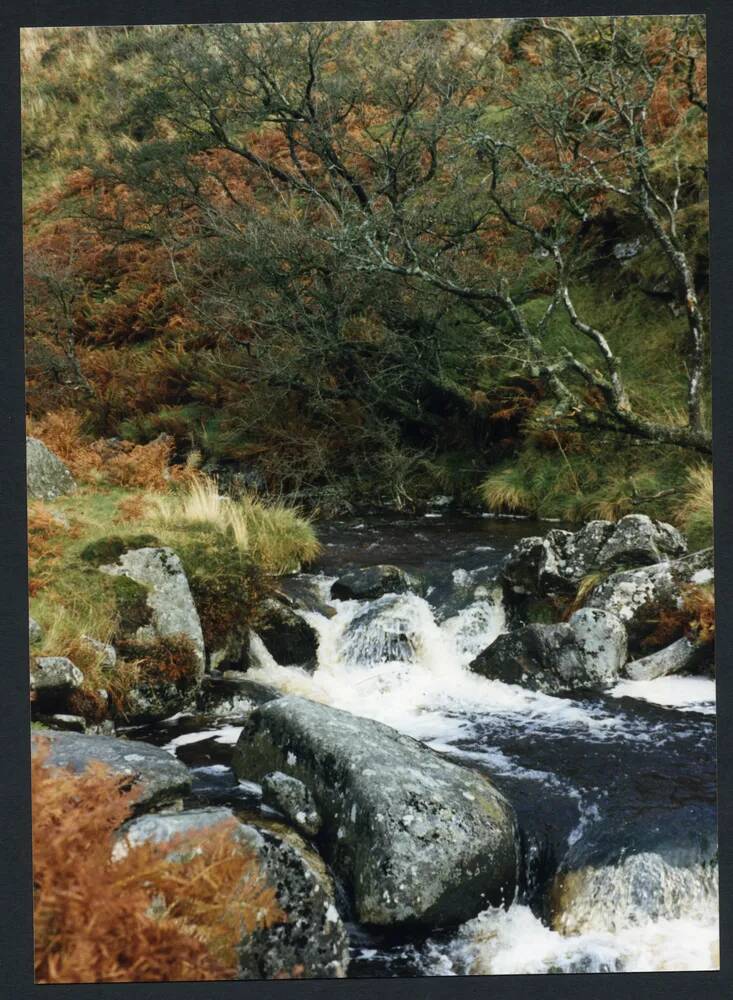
[514,941]
[430,694]
[693,694]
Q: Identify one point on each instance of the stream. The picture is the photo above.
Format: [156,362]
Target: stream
[618,788]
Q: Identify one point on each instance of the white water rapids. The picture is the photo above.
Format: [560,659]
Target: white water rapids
[390,660]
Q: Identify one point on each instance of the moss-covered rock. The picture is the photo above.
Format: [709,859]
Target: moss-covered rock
[107,550]
[227,589]
[131,600]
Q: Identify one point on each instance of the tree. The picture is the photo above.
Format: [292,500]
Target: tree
[432,154]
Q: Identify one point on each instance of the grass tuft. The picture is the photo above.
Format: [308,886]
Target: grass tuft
[276,537]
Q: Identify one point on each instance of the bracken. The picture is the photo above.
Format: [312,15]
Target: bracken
[161,912]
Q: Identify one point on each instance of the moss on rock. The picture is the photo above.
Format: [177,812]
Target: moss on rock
[108,549]
[226,586]
[131,600]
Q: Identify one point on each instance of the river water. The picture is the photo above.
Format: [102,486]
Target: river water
[616,791]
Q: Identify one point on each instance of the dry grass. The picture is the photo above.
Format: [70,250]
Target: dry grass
[160,912]
[695,515]
[502,495]
[276,537]
[44,546]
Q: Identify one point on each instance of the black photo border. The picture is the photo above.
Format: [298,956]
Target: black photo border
[16,960]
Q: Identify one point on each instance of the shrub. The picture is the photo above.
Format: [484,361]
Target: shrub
[141,917]
[61,431]
[165,660]
[693,619]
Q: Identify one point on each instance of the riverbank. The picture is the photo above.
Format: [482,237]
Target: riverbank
[613,790]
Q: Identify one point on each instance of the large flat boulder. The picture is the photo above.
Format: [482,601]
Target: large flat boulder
[416,838]
[586,652]
[160,779]
[312,939]
[47,478]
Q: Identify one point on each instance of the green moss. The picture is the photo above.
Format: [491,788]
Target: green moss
[226,587]
[131,599]
[104,551]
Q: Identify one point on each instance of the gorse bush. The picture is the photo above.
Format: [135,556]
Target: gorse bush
[150,913]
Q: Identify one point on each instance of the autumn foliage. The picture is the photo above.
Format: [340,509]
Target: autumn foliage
[134,916]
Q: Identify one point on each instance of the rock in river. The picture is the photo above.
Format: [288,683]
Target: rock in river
[586,652]
[557,563]
[681,656]
[372,581]
[312,939]
[293,800]
[416,838]
[289,639]
[639,596]
[160,779]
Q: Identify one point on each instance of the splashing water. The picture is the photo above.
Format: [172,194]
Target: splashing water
[403,662]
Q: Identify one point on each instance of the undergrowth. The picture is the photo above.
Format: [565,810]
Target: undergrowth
[152,913]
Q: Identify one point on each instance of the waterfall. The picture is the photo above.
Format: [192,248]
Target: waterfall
[642,915]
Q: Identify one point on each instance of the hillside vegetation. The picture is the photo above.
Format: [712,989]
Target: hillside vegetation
[359,263]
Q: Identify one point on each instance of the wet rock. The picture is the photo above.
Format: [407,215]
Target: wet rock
[290,797]
[638,888]
[289,639]
[312,942]
[587,652]
[416,838]
[639,596]
[158,777]
[258,693]
[372,581]
[69,723]
[303,593]
[385,631]
[54,677]
[233,656]
[168,597]
[222,698]
[34,631]
[47,478]
[556,564]
[682,656]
